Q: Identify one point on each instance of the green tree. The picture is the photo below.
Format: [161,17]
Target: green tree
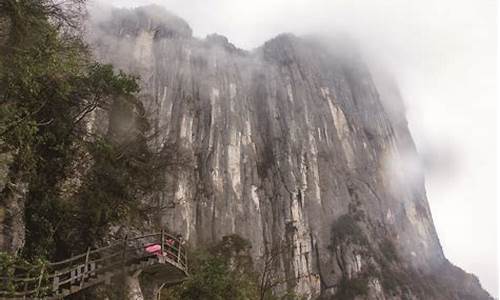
[49,84]
[226,271]
[222,272]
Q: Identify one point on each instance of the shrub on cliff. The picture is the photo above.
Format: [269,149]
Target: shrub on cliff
[224,271]
[227,271]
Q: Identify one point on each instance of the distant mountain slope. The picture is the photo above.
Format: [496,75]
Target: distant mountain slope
[295,147]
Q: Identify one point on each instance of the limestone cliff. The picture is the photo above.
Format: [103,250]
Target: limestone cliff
[294,146]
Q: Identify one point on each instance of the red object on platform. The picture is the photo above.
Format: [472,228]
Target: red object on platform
[154,249]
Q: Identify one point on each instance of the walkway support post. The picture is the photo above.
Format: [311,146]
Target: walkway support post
[85,267]
[39,285]
[178,251]
[55,283]
[124,254]
[162,241]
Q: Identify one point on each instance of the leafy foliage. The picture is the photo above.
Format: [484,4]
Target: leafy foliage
[49,85]
[389,250]
[349,289]
[346,230]
[11,266]
[226,271]
[222,272]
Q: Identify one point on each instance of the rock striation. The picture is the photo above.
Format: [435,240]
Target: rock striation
[294,147]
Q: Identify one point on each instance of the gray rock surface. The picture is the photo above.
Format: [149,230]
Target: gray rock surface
[287,140]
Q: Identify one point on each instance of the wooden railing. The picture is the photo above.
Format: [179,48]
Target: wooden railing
[92,267]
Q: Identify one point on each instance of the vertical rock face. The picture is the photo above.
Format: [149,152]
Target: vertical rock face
[294,147]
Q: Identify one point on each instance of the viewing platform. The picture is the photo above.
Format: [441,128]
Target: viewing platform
[160,255]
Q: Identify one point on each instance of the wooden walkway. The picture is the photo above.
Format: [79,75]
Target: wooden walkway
[63,278]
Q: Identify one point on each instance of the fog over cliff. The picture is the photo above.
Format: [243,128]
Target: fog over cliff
[441,55]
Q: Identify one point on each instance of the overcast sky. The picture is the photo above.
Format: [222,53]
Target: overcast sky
[443,54]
